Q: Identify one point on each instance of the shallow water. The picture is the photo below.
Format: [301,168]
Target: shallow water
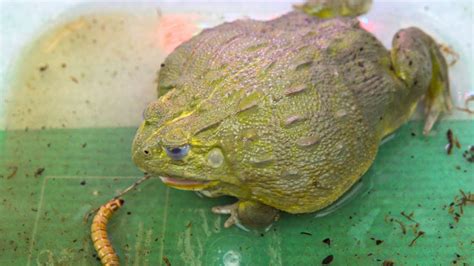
[89,70]
[89,109]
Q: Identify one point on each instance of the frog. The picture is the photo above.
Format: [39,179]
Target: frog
[285,115]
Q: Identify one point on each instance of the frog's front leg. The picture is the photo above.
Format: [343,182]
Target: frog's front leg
[250,214]
[418,62]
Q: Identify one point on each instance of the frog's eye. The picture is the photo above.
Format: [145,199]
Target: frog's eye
[177,153]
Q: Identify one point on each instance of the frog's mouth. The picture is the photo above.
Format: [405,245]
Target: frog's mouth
[186,184]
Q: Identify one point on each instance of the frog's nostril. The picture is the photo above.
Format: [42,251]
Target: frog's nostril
[146,152]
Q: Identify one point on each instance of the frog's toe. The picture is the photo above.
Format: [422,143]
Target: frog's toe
[437,101]
[231,209]
[248,214]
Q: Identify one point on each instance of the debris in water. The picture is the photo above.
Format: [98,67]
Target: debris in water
[39,171]
[327,241]
[43,68]
[469,154]
[420,233]
[409,216]
[328,260]
[166,261]
[13,173]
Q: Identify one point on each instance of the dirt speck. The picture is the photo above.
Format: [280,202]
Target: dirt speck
[469,154]
[14,170]
[39,171]
[43,68]
[327,241]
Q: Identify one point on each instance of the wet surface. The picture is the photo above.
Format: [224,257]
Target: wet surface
[402,187]
[71,112]
[96,69]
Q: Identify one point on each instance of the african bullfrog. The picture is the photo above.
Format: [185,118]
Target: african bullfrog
[287,114]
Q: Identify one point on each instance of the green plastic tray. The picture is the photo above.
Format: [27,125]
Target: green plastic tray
[41,210]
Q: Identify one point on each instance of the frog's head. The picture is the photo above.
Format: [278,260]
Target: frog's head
[180,147]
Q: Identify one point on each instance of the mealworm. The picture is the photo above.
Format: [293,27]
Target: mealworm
[102,243]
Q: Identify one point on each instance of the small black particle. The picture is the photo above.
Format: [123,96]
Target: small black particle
[84,145]
[129,213]
[328,260]
[83,183]
[262,235]
[74,241]
[306,233]
[162,65]
[413,134]
[378,242]
[327,241]
[410,63]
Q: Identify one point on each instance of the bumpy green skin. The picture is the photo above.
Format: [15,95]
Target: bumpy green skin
[297,105]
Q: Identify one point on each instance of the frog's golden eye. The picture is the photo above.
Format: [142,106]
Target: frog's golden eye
[177,153]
